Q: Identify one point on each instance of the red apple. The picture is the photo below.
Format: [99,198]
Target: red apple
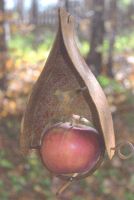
[67,149]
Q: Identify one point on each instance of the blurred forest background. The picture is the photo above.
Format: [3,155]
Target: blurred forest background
[105,37]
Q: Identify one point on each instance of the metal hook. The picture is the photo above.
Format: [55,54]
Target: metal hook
[122,145]
[32,145]
[67,184]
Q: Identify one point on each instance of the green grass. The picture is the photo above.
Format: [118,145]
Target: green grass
[114,85]
[4,162]
[129,196]
[122,43]
[25,48]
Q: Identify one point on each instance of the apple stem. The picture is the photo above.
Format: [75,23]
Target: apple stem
[66,185]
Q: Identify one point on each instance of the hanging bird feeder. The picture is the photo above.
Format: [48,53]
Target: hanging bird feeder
[67,118]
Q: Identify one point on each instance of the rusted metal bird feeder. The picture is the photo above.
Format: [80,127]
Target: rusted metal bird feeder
[68,92]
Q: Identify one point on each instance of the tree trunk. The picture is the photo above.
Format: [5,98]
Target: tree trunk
[3,47]
[67,5]
[94,57]
[110,55]
[34,12]
[20,9]
[111,32]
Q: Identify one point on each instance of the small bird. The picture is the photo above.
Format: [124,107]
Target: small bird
[69,95]
[66,100]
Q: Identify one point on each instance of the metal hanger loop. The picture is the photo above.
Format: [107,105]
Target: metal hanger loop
[125,144]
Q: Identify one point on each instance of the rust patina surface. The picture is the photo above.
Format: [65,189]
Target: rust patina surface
[55,95]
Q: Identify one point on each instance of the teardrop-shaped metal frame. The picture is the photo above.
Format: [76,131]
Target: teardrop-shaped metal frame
[93,95]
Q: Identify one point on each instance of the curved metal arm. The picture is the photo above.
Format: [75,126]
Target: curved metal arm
[67,184]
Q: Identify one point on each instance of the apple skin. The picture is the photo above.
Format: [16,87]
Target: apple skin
[67,149]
